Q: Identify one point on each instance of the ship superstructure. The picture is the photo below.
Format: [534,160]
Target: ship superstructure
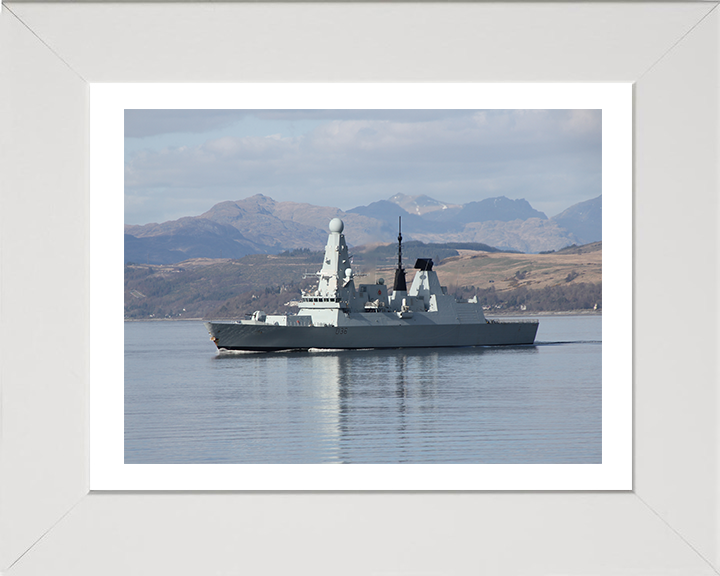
[337,314]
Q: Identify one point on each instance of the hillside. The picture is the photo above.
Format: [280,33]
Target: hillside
[230,288]
[531,235]
[583,220]
[508,271]
[261,225]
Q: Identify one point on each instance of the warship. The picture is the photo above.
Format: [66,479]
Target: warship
[338,315]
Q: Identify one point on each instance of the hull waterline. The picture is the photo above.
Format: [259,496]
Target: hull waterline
[232,336]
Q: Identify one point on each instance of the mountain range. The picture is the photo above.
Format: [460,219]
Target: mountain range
[261,225]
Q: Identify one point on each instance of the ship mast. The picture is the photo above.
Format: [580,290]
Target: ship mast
[400,284]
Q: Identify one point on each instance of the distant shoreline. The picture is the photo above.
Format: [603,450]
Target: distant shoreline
[493,315]
[546,313]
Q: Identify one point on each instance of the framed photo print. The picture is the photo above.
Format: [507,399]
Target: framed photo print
[91,486]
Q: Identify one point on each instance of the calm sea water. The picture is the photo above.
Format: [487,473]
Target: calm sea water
[185,403]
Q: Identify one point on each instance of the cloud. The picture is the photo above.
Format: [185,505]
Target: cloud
[550,157]
[582,122]
[379,114]
[143,123]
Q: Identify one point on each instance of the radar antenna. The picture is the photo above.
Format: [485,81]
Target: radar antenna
[400,283]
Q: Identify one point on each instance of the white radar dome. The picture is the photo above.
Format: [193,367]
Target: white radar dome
[336,225]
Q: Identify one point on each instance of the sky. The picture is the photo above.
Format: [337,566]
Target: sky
[182,162]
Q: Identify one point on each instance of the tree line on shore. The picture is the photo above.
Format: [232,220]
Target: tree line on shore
[559,298]
[233,288]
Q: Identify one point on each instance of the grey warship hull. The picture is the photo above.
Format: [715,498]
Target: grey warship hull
[339,315]
[263,337]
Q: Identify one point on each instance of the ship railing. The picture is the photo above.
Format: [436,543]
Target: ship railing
[320,299]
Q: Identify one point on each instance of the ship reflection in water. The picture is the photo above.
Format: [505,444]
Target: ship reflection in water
[478,405]
[524,404]
[406,406]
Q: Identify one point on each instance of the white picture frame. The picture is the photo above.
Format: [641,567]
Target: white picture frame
[50,522]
